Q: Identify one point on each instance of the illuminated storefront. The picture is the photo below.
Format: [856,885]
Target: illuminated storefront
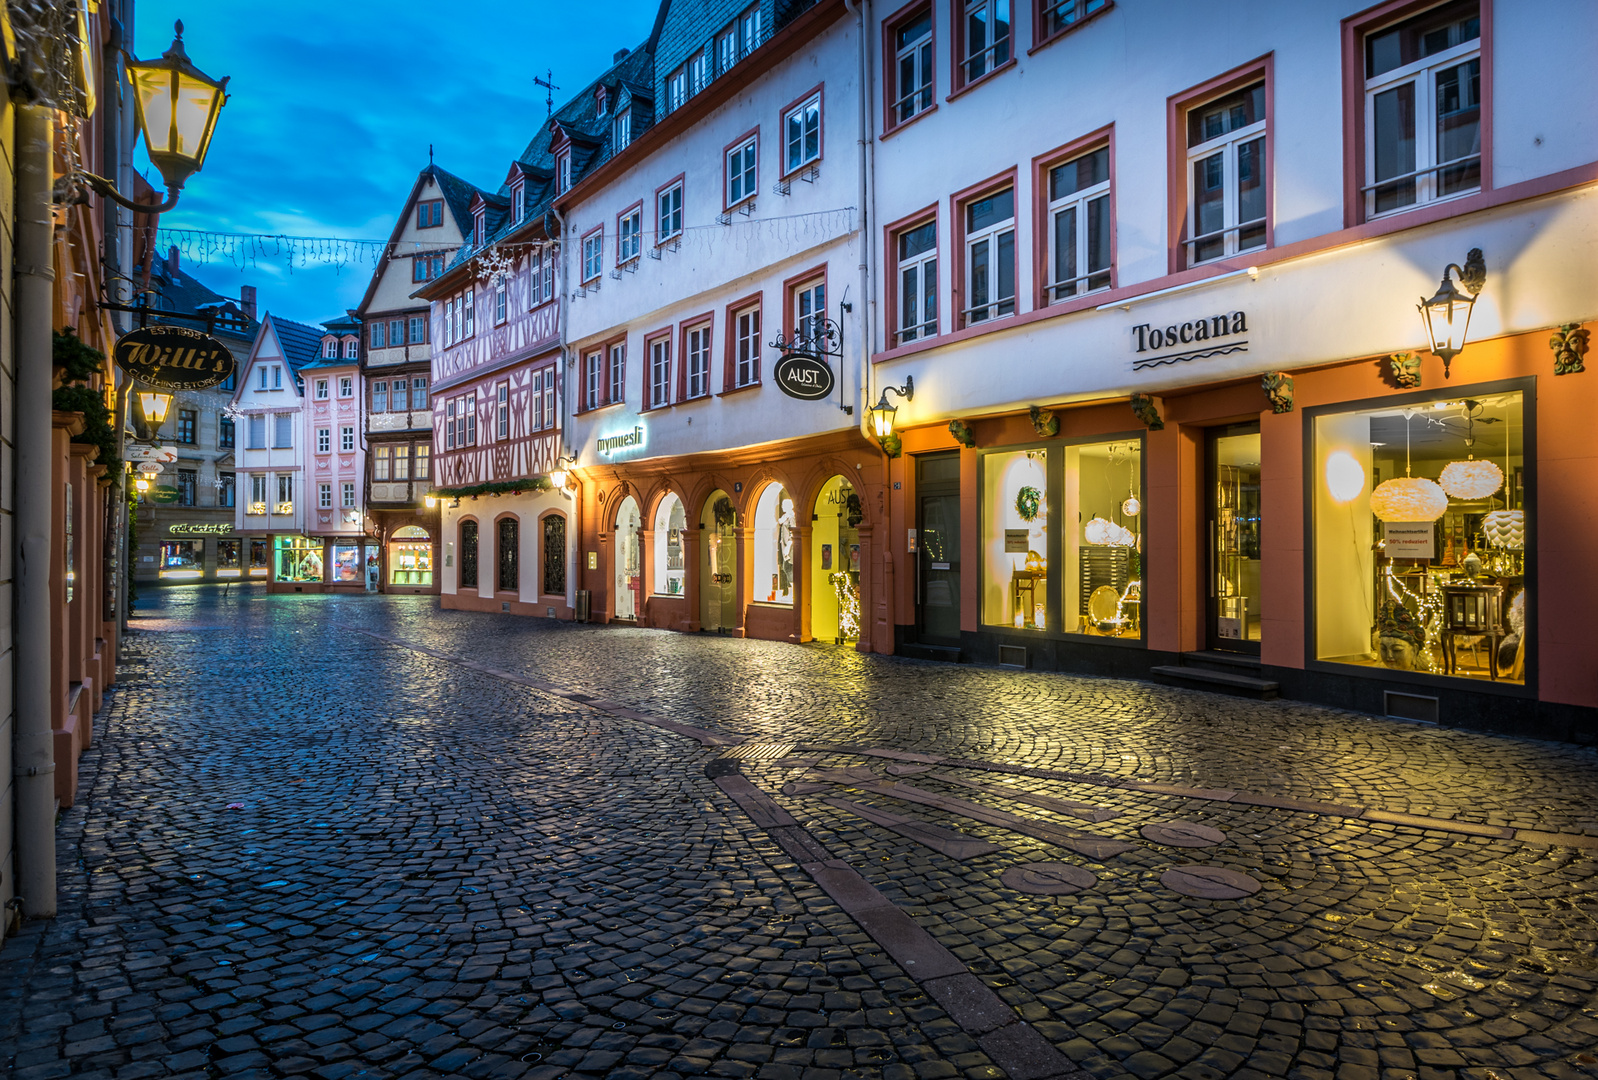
[182,560]
[299,560]
[410,558]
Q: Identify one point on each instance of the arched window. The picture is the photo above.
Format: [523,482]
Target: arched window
[468,569]
[555,555]
[509,554]
[670,521]
[774,538]
[629,573]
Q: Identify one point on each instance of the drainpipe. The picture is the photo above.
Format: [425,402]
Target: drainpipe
[35,746]
[867,198]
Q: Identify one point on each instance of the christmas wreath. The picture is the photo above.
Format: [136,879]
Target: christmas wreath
[1028,501]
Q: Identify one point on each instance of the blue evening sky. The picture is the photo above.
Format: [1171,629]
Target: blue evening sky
[333,105]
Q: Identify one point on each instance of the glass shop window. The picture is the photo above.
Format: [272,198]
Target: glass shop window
[1421,529]
[774,524]
[670,521]
[228,555]
[182,558]
[1015,506]
[1070,514]
[299,558]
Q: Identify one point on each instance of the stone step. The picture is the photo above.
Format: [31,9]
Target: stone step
[1223,682]
[949,654]
[1216,660]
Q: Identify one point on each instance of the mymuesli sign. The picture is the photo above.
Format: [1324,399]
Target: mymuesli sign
[174,358]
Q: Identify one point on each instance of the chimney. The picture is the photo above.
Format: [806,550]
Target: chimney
[247,300]
[621,54]
[172,259]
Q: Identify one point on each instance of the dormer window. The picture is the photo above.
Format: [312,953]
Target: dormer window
[329,348]
[517,210]
[352,348]
[601,103]
[479,227]
[563,172]
[621,131]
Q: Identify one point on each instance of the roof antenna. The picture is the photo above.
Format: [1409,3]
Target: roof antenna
[548,83]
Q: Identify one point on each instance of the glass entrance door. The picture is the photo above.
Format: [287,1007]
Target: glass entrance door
[1234,538]
[938,549]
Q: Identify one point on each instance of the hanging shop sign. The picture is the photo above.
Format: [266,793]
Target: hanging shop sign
[631,440]
[803,376]
[147,452]
[1195,339]
[199,528]
[163,494]
[174,358]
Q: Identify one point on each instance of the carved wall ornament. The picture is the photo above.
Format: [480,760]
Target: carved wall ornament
[1570,348]
[1144,409]
[1044,422]
[1278,387]
[963,434]
[1404,370]
[892,445]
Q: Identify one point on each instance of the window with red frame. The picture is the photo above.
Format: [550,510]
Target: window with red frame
[989,256]
[1055,17]
[983,36]
[593,379]
[1078,228]
[746,345]
[917,252]
[660,371]
[1226,174]
[696,361]
[911,91]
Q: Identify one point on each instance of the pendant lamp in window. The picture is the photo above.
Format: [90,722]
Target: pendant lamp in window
[1408,498]
[1470,479]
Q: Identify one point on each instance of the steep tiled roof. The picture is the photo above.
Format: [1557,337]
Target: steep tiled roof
[302,345]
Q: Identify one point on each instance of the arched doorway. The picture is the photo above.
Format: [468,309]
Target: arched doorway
[629,569]
[835,563]
[775,546]
[718,563]
[670,520]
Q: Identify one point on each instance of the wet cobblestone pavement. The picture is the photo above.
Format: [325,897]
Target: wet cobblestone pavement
[361,838]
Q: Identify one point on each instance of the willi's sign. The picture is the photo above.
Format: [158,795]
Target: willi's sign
[174,358]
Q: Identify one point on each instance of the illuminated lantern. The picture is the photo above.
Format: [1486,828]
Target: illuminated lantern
[176,105]
[1408,498]
[1345,477]
[1471,479]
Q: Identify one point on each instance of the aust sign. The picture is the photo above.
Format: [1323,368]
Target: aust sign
[802,376]
[174,358]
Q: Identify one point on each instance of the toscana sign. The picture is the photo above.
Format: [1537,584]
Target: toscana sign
[174,358]
[1195,339]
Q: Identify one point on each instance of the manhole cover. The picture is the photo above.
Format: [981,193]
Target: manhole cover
[1209,882]
[1183,834]
[1048,878]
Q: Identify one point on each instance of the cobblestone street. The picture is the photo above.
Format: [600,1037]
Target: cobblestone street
[359,837]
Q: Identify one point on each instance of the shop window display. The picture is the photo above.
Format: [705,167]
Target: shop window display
[774,546]
[629,571]
[410,557]
[718,563]
[1421,533]
[1015,510]
[1066,518]
[670,521]
[835,563]
[228,554]
[299,558]
[347,567]
[183,558]
[260,558]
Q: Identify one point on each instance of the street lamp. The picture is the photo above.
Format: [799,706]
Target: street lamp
[150,408]
[177,105]
[560,474]
[882,413]
[1447,313]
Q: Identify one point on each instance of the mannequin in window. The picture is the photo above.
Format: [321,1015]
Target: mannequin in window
[785,526]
